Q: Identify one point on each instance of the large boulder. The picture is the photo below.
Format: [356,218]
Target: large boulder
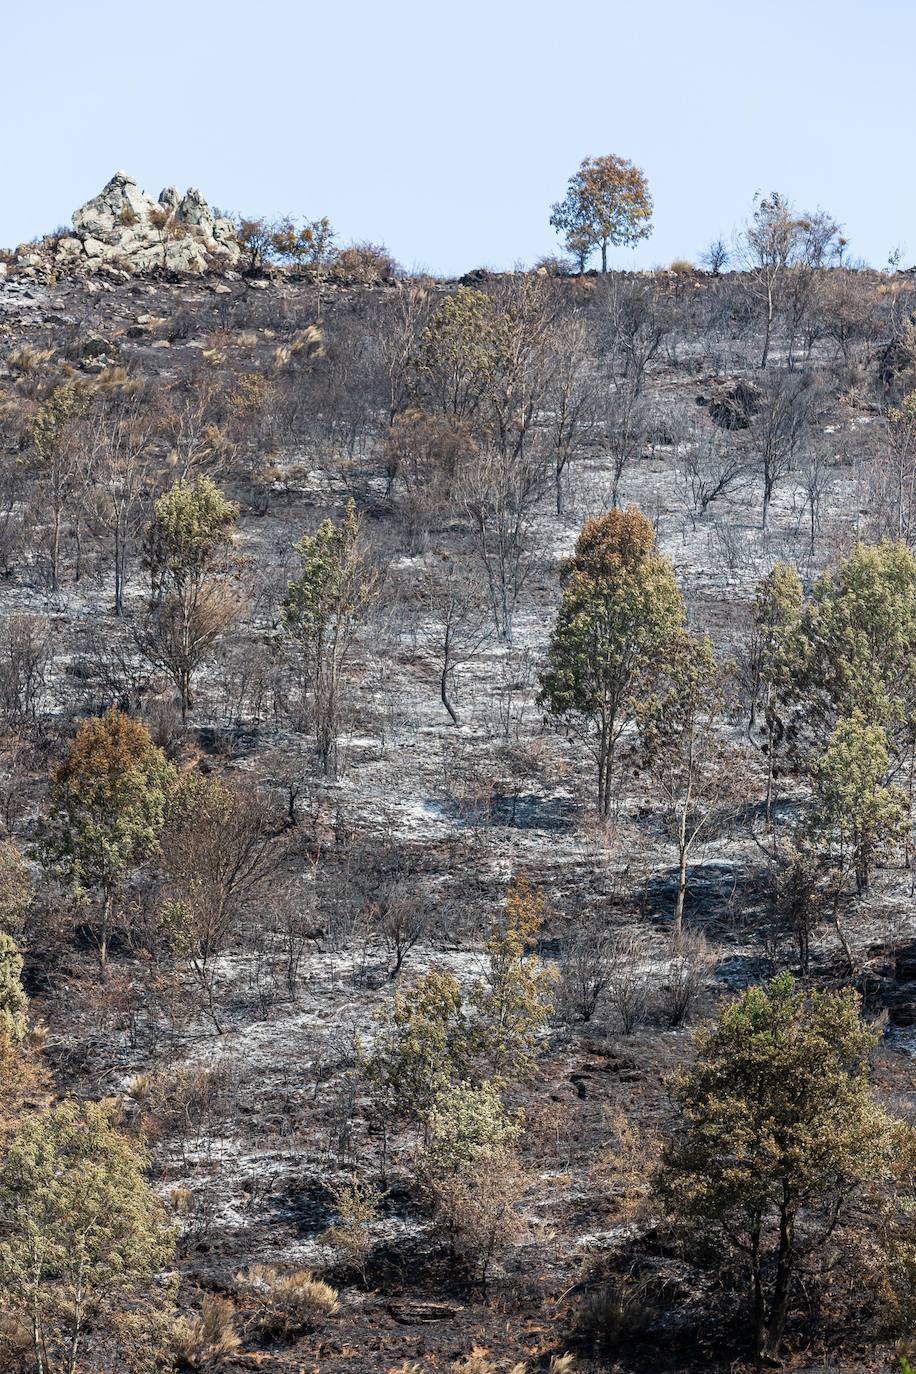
[119,205]
[124,229]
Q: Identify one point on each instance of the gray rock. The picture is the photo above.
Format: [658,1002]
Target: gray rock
[119,205]
[195,210]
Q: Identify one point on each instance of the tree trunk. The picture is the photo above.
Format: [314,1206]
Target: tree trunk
[106,923]
[768,329]
[757,1301]
[681,884]
[785,1263]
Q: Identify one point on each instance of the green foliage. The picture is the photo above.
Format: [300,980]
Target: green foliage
[353,1234]
[853,807]
[607,202]
[856,648]
[423,1044]
[15,888]
[466,1124]
[679,724]
[469,1172]
[779,1130]
[320,613]
[777,612]
[513,999]
[14,1004]
[192,523]
[50,425]
[619,615]
[456,358]
[108,804]
[432,1038]
[83,1241]
[186,550]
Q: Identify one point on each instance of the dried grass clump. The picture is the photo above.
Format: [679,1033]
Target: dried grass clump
[28,359]
[478,1363]
[206,1340]
[288,1303]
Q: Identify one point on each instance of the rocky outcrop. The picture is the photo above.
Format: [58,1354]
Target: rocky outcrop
[124,229]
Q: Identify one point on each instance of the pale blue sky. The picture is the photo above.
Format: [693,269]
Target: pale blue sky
[446,130]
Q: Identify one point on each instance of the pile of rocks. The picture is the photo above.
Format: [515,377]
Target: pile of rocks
[123,228]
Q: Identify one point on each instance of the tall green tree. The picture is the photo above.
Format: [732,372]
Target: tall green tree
[680,729]
[513,999]
[779,1131]
[83,1244]
[108,802]
[774,652]
[186,550]
[321,613]
[857,644]
[620,614]
[854,810]
[607,202]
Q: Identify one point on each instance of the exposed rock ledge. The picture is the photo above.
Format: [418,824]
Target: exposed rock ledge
[124,228]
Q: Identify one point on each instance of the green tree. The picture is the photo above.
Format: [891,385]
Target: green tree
[857,644]
[321,612]
[619,615]
[83,1243]
[513,999]
[680,729]
[607,202]
[13,1001]
[186,550]
[774,649]
[853,807]
[422,1046]
[779,1132]
[108,802]
[455,360]
[469,1172]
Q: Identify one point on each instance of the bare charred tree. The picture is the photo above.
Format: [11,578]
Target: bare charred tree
[768,248]
[456,604]
[571,394]
[118,438]
[626,419]
[500,493]
[710,466]
[396,331]
[636,323]
[219,850]
[787,402]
